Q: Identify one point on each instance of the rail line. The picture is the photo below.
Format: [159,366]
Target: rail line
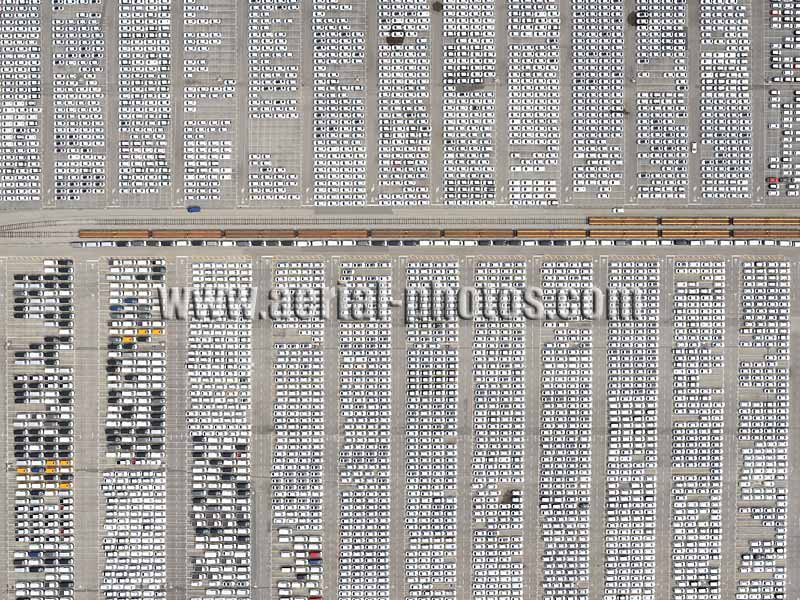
[375,220]
[344,221]
[616,227]
[451,234]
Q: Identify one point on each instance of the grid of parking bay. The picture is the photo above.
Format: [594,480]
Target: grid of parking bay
[41,366]
[209,100]
[274,52]
[431,429]
[783,62]
[133,480]
[144,98]
[78,100]
[725,100]
[79,129]
[404,83]
[498,417]
[698,312]
[662,118]
[365,414]
[340,74]
[598,100]
[782,142]
[534,99]
[763,440]
[631,418]
[298,411]
[20,101]
[469,78]
[219,364]
[565,463]
[782,66]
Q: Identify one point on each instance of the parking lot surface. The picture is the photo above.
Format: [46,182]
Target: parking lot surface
[399,105]
[309,457]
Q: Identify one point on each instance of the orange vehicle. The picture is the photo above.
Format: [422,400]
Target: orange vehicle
[113,234]
[697,221]
[621,221]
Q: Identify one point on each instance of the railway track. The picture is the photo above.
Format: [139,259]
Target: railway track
[341,221]
[33,224]
[685,233]
[336,225]
[321,221]
[37,234]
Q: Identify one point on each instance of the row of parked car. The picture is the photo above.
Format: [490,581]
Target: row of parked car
[218,366]
[136,364]
[365,420]
[78,102]
[469,71]
[208,153]
[270,181]
[340,103]
[134,534]
[782,116]
[631,418]
[534,111]
[782,142]
[662,111]
[275,63]
[431,429]
[565,447]
[20,115]
[784,58]
[210,56]
[499,428]
[763,429]
[698,401]
[298,419]
[404,85]
[274,52]
[41,346]
[145,98]
[726,129]
[598,99]
[534,103]
[134,522]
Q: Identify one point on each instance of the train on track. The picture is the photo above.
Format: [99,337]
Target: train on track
[689,228]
